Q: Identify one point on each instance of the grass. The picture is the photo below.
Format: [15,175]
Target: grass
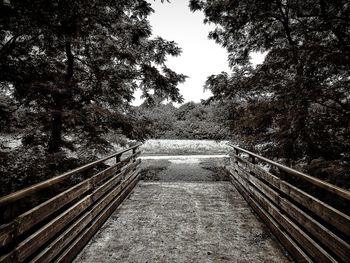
[184,147]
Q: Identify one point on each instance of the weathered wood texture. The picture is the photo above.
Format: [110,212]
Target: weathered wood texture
[37,187]
[315,181]
[310,229]
[58,228]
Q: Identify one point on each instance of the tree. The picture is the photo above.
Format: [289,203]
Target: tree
[189,121]
[161,119]
[72,68]
[303,83]
[79,63]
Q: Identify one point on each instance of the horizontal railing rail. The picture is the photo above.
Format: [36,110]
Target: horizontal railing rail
[59,227]
[52,181]
[311,229]
[315,181]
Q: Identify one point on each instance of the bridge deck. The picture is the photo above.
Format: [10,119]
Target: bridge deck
[183,222]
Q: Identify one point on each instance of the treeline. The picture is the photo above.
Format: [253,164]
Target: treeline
[189,121]
[295,106]
[68,72]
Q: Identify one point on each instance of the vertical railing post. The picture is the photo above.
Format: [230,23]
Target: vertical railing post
[237,153]
[231,159]
[133,152]
[117,158]
[282,174]
[134,158]
[252,159]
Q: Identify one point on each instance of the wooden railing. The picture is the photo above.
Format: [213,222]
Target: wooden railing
[58,228]
[311,229]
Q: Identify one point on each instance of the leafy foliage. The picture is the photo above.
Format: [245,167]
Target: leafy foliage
[297,101]
[189,121]
[69,70]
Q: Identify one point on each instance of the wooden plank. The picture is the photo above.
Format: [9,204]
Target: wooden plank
[315,251]
[7,233]
[56,246]
[297,253]
[310,245]
[329,214]
[107,186]
[105,174]
[132,166]
[257,170]
[9,258]
[114,193]
[108,198]
[99,177]
[113,181]
[40,237]
[313,180]
[324,235]
[34,216]
[39,213]
[71,252]
[31,218]
[268,191]
[52,181]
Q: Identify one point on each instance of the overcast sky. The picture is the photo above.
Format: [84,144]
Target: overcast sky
[200,56]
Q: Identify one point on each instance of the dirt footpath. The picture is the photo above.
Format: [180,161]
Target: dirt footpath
[183,222]
[184,168]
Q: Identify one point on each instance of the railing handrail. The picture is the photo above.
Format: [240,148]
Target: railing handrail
[322,184]
[59,178]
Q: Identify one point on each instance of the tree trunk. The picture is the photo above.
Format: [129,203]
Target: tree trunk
[56,132]
[55,142]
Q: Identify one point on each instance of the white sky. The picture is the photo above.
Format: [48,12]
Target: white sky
[200,56]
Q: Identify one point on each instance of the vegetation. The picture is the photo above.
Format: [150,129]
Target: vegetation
[68,73]
[69,70]
[189,121]
[296,105]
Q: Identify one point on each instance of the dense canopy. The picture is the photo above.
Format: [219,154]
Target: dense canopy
[68,72]
[296,105]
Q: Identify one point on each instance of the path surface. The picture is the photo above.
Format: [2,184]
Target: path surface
[184,168]
[183,222]
[184,210]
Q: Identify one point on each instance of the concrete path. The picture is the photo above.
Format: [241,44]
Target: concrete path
[183,222]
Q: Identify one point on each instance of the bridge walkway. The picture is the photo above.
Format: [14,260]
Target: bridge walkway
[171,217]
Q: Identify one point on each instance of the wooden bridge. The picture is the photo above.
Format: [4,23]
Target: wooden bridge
[202,221]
